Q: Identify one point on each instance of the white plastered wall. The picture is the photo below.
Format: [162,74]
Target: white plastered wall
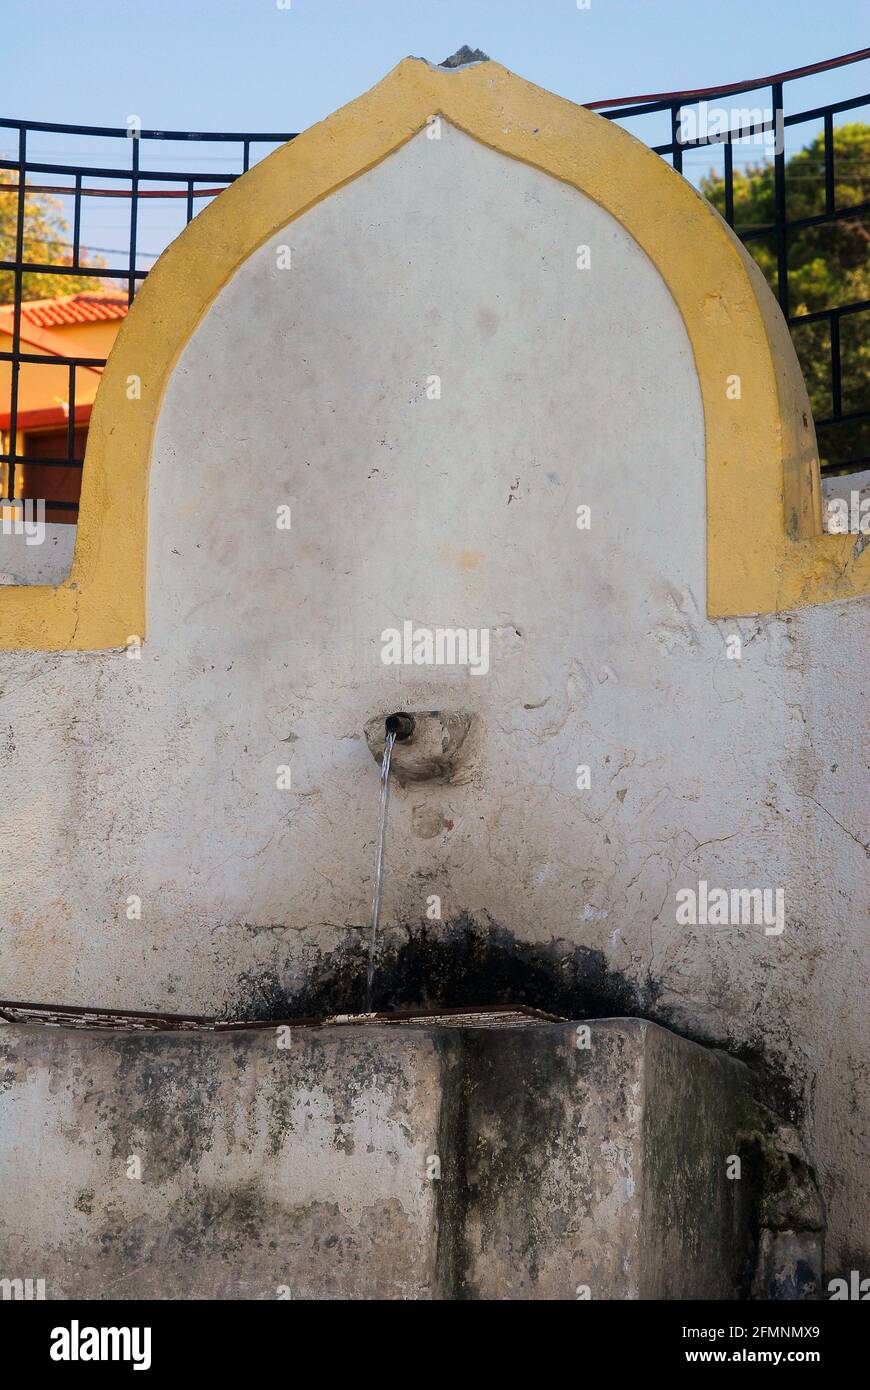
[155,779]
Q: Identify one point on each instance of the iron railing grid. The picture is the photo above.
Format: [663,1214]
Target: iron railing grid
[198,185]
[782,227]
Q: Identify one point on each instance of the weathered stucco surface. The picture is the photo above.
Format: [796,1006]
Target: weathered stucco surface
[600,1173]
[261,1166]
[154,780]
[305,1171]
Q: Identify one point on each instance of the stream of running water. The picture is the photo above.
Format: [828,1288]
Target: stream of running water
[379,866]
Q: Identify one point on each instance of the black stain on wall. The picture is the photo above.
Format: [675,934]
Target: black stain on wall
[461,964]
[465,964]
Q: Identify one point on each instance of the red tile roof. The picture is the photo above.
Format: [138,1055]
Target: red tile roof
[88,307]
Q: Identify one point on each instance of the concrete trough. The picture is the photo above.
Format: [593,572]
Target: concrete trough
[556,1161]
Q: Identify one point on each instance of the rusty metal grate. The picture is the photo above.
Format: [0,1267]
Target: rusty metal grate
[136,1020]
[492,1016]
[72,1016]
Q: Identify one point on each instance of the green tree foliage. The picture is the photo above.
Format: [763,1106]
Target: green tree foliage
[828,266]
[46,239]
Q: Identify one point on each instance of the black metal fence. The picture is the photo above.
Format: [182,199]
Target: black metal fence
[842,411]
[843,428]
[76,182]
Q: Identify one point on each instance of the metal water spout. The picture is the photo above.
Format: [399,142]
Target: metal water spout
[402,725]
[431,745]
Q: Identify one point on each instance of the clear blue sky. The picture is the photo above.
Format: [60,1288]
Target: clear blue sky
[250,65]
[246,65]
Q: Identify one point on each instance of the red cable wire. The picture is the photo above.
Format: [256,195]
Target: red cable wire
[698,92]
[114,192]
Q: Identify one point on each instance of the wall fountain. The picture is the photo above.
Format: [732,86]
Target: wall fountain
[558,1090]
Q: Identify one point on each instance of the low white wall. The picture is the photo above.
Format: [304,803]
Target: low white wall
[853,490]
[34,553]
[154,780]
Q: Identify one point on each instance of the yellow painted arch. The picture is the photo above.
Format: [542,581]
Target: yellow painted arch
[765,547]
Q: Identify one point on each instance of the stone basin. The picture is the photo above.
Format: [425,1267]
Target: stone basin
[558,1161]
